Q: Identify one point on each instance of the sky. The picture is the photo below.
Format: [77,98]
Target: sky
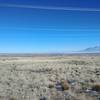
[48,26]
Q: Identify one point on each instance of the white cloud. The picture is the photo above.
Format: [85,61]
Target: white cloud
[51,7]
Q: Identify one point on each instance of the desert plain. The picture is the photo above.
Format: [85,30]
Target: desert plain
[46,77]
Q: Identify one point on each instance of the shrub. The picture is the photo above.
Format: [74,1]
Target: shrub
[76,62]
[65,85]
[51,86]
[12,98]
[96,87]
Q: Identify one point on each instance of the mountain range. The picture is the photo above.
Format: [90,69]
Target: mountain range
[95,49]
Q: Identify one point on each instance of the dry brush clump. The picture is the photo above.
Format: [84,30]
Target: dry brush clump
[62,85]
[78,62]
[65,85]
[51,86]
[12,98]
[96,87]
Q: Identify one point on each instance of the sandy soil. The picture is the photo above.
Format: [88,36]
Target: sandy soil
[46,78]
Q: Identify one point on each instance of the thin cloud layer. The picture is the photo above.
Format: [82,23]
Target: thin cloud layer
[47,29]
[51,8]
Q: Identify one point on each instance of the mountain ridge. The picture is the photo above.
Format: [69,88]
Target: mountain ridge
[95,49]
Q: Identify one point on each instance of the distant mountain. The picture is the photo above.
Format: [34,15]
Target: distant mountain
[95,49]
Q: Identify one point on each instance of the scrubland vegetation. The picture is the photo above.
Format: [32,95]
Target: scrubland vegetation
[50,78]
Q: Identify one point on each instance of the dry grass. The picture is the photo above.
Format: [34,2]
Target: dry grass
[28,78]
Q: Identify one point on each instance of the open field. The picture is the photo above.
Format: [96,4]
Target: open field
[56,77]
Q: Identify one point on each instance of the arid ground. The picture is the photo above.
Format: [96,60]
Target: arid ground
[58,77]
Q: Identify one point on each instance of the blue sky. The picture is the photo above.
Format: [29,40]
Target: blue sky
[27,27]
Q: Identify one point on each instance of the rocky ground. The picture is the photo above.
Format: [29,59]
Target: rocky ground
[50,78]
